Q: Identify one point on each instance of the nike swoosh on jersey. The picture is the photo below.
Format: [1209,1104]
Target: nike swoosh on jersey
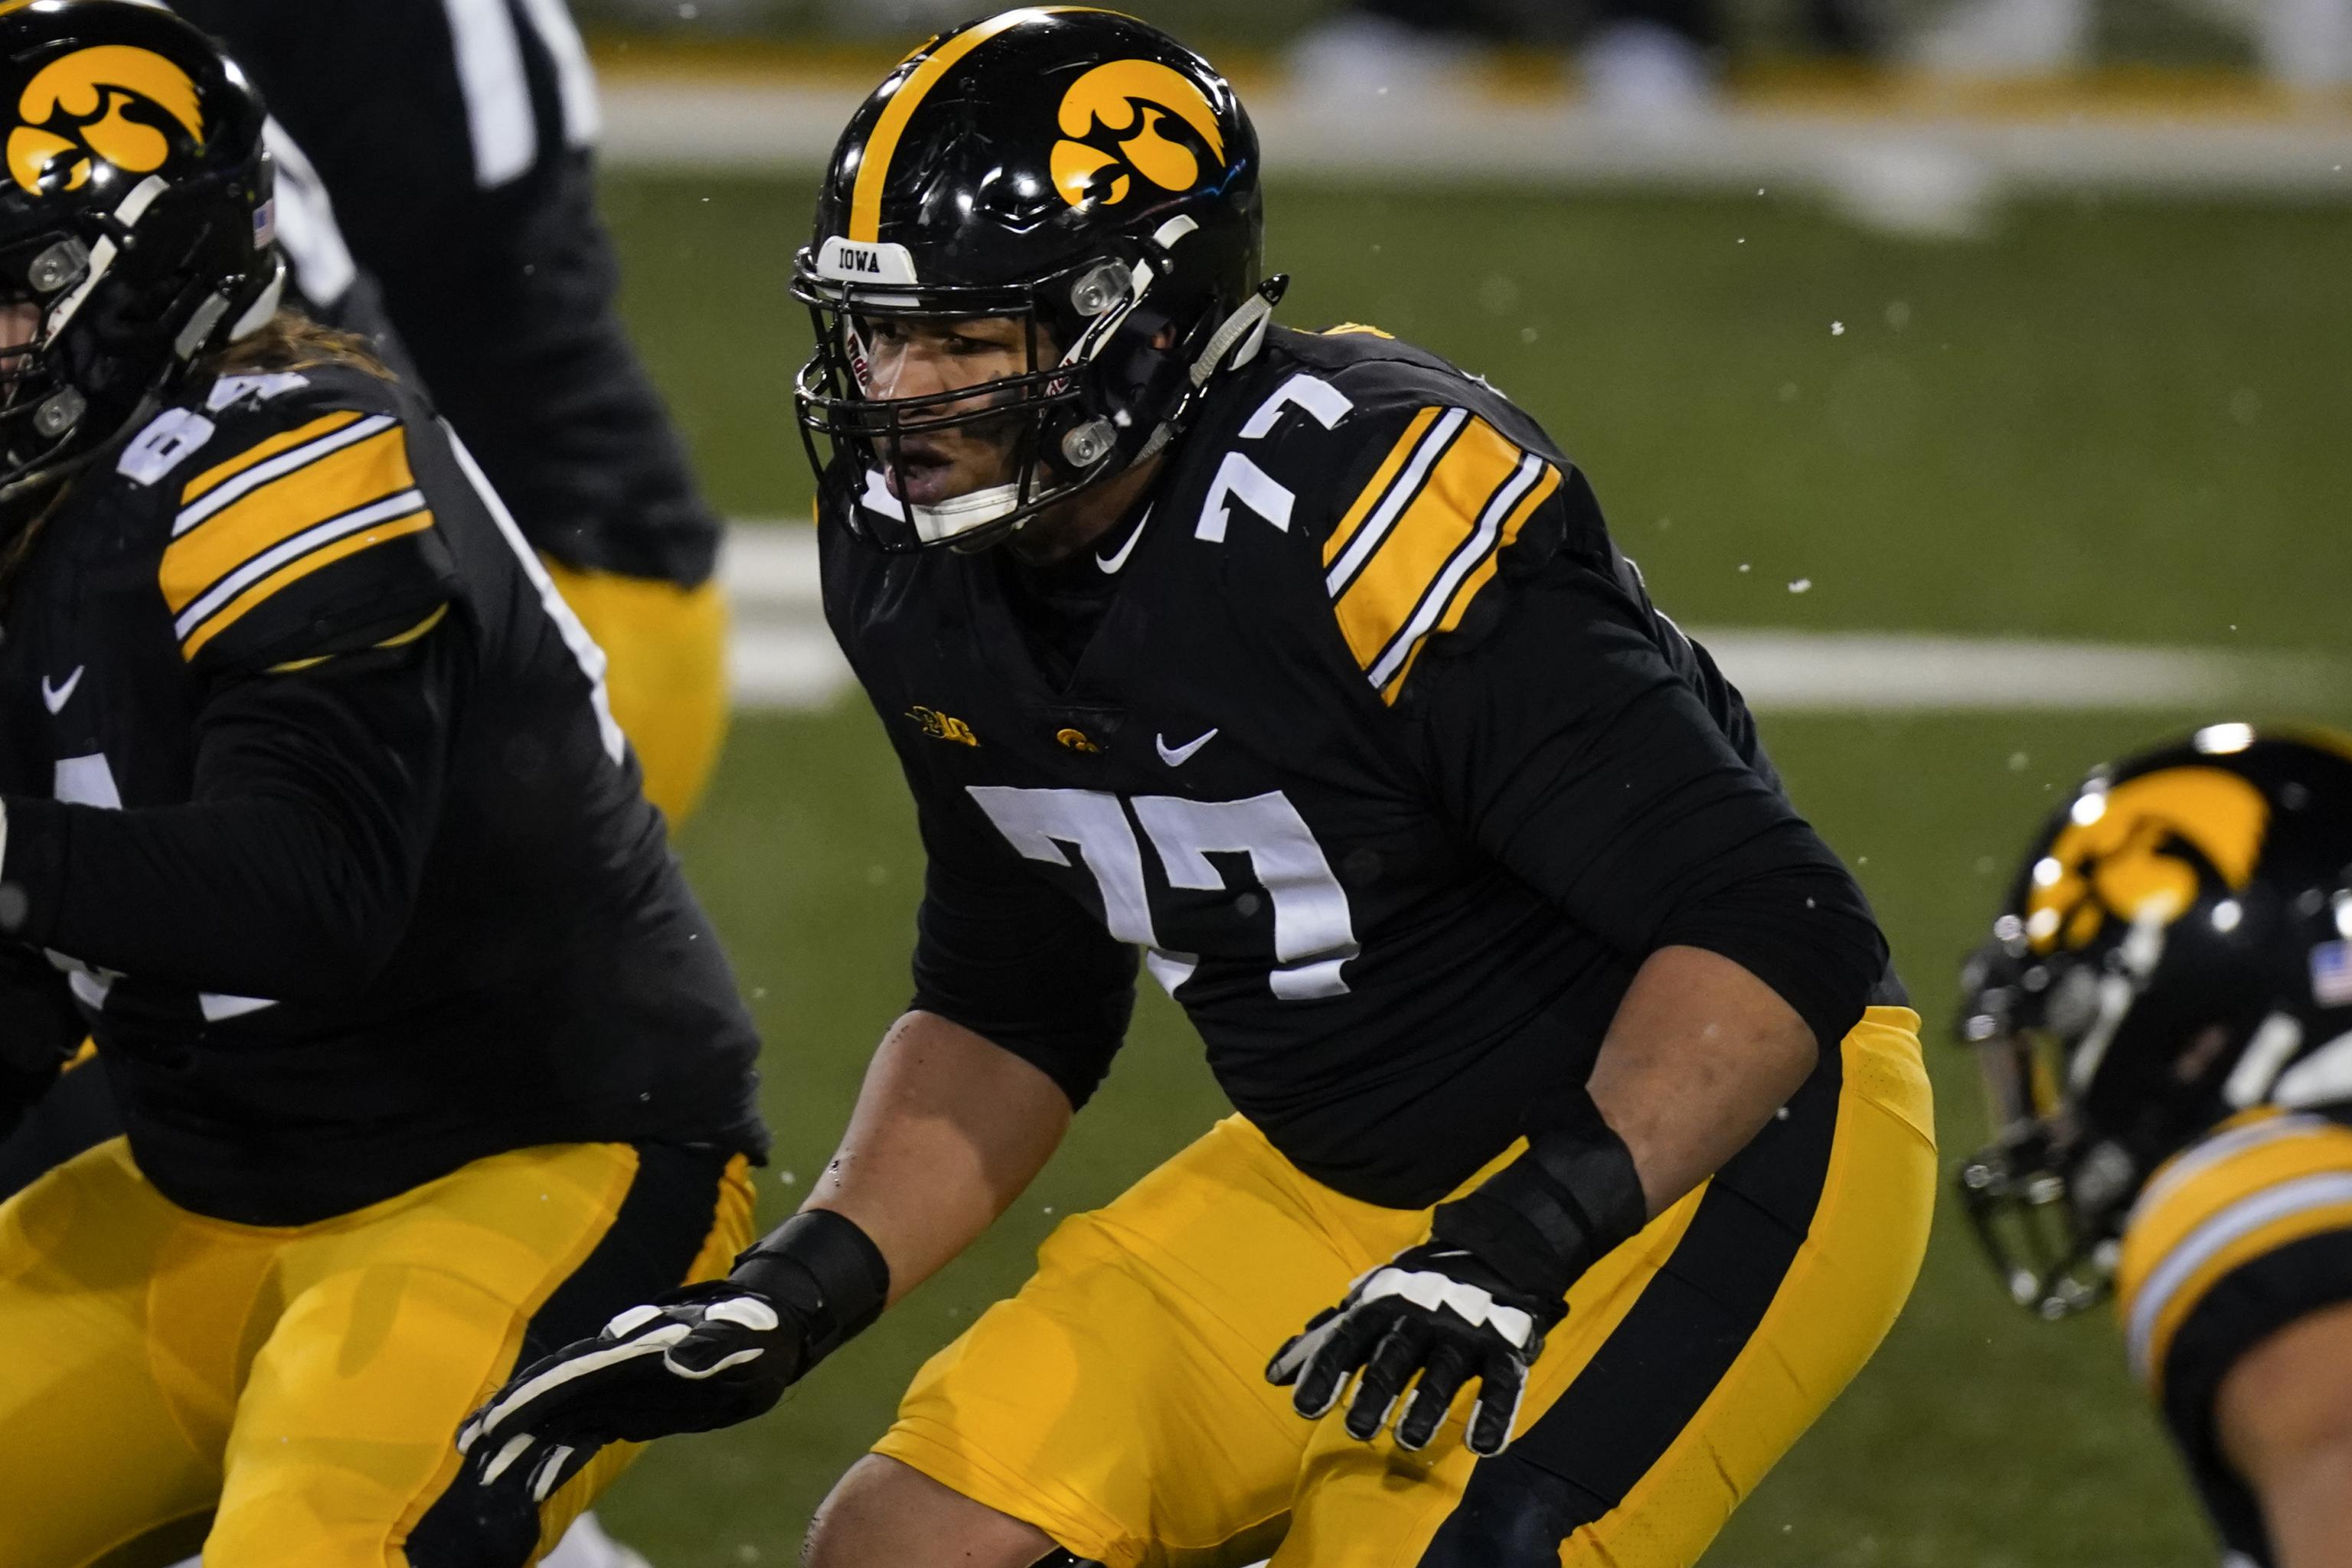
[1177,756]
[55,698]
[1118,558]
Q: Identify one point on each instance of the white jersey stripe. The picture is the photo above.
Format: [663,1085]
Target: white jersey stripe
[276,468]
[1475,549]
[2241,1219]
[575,79]
[1400,494]
[302,544]
[2217,1148]
[497,94]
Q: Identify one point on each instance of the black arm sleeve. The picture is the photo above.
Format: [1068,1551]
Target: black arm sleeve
[1573,751]
[291,871]
[1018,963]
[39,1028]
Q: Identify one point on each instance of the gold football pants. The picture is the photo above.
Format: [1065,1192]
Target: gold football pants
[304,1383]
[666,672]
[1119,1401]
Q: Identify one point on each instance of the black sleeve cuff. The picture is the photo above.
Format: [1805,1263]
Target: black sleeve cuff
[1807,934]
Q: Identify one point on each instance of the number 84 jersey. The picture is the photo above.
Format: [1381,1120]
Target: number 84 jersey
[1366,739]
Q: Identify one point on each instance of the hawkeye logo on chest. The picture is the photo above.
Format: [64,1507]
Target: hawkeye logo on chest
[940,726]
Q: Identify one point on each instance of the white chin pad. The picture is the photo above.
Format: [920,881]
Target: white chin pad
[952,517]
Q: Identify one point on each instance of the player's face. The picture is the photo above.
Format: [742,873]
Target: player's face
[20,320]
[906,358]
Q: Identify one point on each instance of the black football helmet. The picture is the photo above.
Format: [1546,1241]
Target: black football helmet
[1075,171]
[2177,949]
[135,221]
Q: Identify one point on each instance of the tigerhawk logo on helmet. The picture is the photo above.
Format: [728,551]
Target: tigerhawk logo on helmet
[2144,850]
[136,217]
[1132,100]
[91,89]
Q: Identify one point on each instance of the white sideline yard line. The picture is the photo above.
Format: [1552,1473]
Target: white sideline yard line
[785,660]
[680,123]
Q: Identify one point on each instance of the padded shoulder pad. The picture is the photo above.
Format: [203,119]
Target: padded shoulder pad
[297,524]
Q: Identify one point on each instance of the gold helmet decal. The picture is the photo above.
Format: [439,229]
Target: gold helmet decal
[2145,849]
[74,106]
[1128,101]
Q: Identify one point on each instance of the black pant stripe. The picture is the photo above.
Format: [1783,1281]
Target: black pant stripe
[663,1224]
[1649,1378]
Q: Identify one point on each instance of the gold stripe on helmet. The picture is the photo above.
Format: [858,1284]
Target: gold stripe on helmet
[873,167]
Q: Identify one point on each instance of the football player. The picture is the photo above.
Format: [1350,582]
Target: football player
[1583,1150]
[2164,1014]
[457,139]
[313,811]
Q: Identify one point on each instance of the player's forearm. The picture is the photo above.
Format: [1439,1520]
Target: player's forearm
[1699,1056]
[257,897]
[948,1131]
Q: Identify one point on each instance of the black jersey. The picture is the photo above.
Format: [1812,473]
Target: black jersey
[457,138]
[312,788]
[1376,749]
[2241,1234]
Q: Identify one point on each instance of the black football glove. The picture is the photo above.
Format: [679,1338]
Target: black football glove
[1432,1310]
[1474,1300]
[706,1356]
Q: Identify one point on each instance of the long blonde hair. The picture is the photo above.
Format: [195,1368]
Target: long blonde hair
[292,340]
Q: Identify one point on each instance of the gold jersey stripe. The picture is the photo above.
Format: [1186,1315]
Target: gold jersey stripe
[326,424]
[350,545]
[1401,568]
[2152,1345]
[402,640]
[2222,1169]
[343,481]
[1478,577]
[1383,478]
[882,144]
[399,640]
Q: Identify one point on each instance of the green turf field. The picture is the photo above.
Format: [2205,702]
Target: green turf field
[2110,421]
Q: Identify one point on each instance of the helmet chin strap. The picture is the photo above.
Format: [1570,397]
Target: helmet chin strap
[265,305]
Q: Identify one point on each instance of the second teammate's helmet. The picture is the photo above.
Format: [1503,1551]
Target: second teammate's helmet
[135,221]
[1074,170]
[2177,949]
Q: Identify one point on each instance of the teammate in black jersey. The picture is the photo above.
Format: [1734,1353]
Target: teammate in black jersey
[457,139]
[315,815]
[2164,1013]
[1581,1132]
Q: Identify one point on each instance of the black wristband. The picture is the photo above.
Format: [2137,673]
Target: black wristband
[1552,1213]
[825,1268]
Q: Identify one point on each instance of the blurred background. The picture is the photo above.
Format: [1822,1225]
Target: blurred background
[1970,375]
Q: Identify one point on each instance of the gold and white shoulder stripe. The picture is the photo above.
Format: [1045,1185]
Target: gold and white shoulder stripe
[1424,537]
[284,508]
